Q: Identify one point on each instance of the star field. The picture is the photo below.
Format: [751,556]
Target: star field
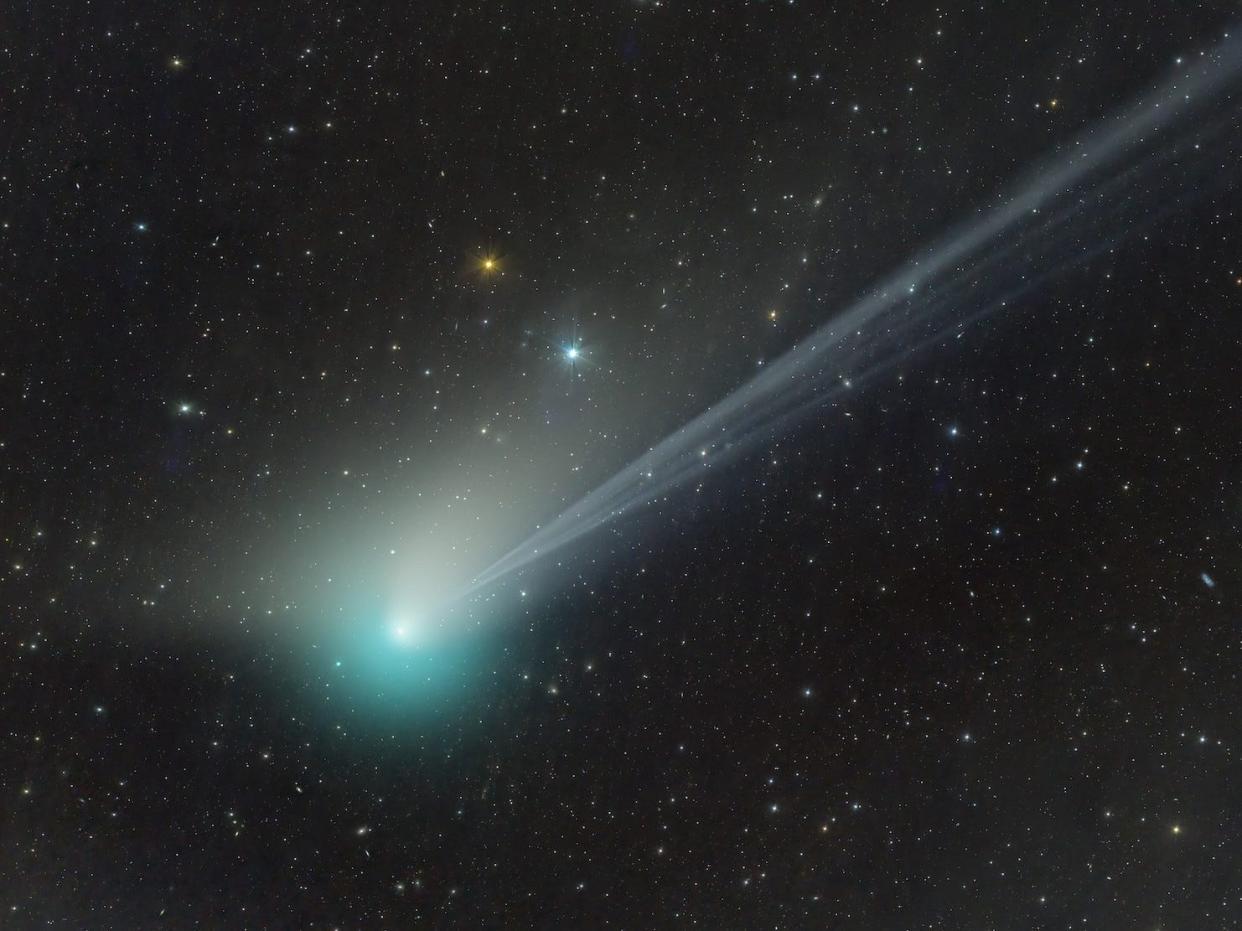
[315,315]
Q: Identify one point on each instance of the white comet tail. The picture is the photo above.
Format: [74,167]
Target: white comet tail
[1114,178]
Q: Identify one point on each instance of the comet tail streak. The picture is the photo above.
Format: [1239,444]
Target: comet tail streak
[1108,167]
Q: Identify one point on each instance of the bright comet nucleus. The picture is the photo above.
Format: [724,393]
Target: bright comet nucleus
[403,633]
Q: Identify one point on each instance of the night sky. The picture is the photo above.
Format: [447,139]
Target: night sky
[319,322]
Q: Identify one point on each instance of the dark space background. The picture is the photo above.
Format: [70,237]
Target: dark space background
[966,658]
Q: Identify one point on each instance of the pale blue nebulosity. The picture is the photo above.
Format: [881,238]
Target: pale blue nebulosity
[1112,181]
[388,665]
[1101,183]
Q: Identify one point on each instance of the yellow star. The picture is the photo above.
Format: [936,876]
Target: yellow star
[487,264]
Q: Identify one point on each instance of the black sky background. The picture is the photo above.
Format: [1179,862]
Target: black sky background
[965,658]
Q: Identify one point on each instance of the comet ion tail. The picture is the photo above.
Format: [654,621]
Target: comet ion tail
[1114,180]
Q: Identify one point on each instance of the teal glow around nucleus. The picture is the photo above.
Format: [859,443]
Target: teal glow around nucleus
[383,671]
[390,664]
